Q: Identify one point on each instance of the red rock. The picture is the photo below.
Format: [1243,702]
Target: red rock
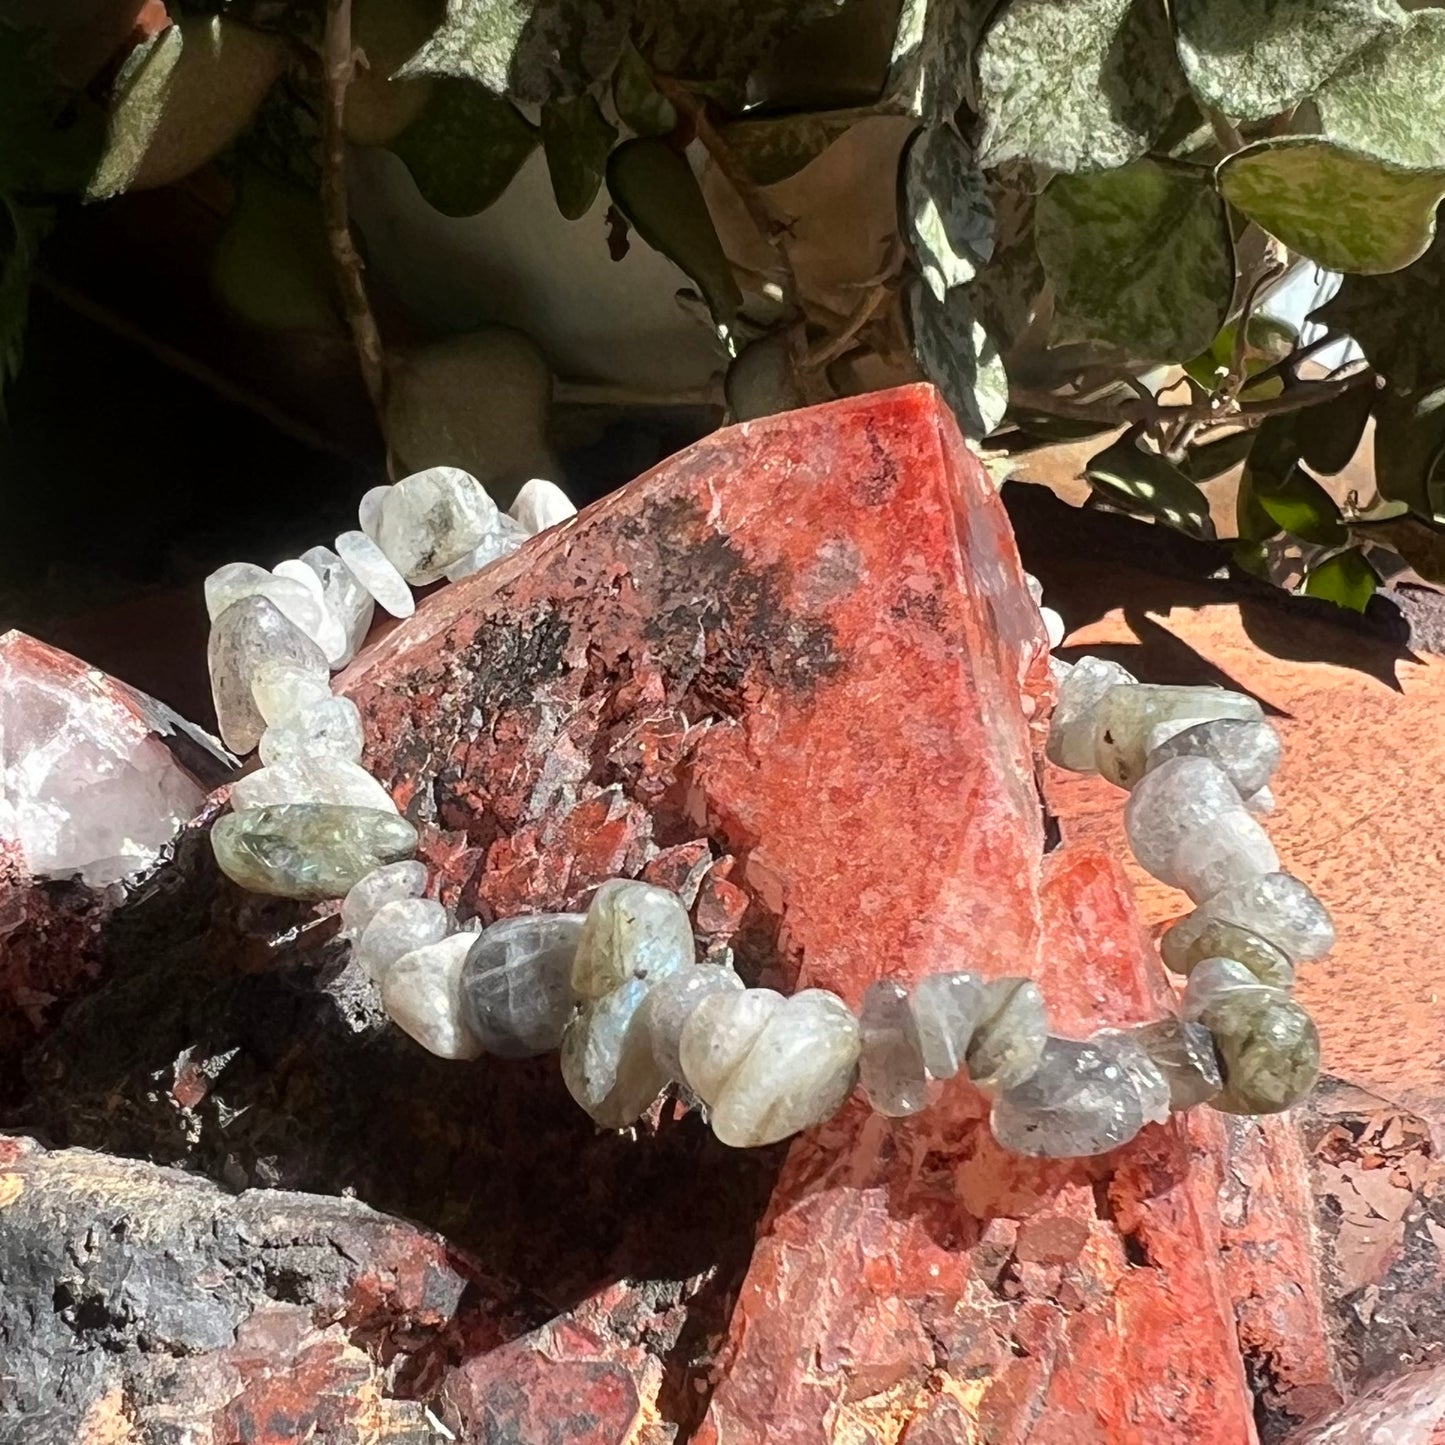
[808,640]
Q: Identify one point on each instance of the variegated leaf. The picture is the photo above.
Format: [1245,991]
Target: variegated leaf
[1082,86]
[948,213]
[959,357]
[930,69]
[141,90]
[1347,211]
[1139,257]
[1255,58]
[1146,482]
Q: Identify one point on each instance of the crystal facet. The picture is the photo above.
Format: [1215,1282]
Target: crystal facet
[1010,1035]
[1125,718]
[1184,1054]
[541,504]
[308,850]
[430,520]
[1071,729]
[395,929]
[422,993]
[381,886]
[891,1062]
[517,985]
[318,779]
[947,1007]
[1277,906]
[1248,752]
[247,634]
[673,1002]
[1225,850]
[368,564]
[633,930]
[331,727]
[1173,800]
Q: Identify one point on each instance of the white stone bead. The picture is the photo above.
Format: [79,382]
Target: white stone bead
[330,635]
[331,727]
[1071,729]
[248,636]
[395,929]
[1260,801]
[1248,751]
[607,1060]
[1036,588]
[673,1002]
[633,930]
[280,690]
[1054,628]
[230,583]
[1224,851]
[422,993]
[383,885]
[1277,906]
[1125,719]
[312,780]
[717,1037]
[1171,801]
[347,600]
[369,566]
[368,512]
[430,520]
[541,504]
[798,1073]
[298,603]
[501,539]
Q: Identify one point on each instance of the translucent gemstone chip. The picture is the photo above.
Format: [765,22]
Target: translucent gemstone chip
[891,1061]
[517,984]
[247,635]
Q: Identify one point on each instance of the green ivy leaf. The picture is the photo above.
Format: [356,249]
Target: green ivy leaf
[1330,435]
[1300,506]
[1347,211]
[1254,58]
[1139,257]
[1277,494]
[931,66]
[1254,525]
[576,137]
[1145,482]
[531,50]
[1346,579]
[1395,319]
[464,147]
[959,357]
[640,105]
[654,187]
[948,214]
[1410,451]
[1215,457]
[1083,86]
[1389,100]
[138,100]
[773,148]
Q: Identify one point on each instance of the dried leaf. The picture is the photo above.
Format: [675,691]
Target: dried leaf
[775,147]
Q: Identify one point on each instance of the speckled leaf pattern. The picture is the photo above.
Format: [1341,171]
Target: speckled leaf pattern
[721,40]
[465,147]
[141,89]
[1146,482]
[948,214]
[576,137]
[530,50]
[1139,257]
[959,357]
[640,105]
[1081,86]
[774,147]
[1389,101]
[1255,58]
[1347,211]
[1396,319]
[930,70]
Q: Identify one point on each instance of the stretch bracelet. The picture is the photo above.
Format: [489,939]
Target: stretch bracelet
[619,989]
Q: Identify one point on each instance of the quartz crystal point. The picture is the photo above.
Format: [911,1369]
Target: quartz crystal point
[1218,938]
[430,520]
[1170,802]
[607,1060]
[947,1007]
[395,929]
[318,779]
[541,504]
[348,601]
[1267,1045]
[1184,1054]
[1080,1100]
[1276,906]
[368,564]
[421,992]
[1125,718]
[517,983]
[891,1061]
[1071,729]
[502,537]
[280,690]
[246,635]
[793,1072]
[1226,850]
[308,850]
[1247,752]
[633,930]
[329,728]
[673,1002]
[1010,1036]
[383,885]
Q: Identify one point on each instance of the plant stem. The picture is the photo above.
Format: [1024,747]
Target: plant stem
[338,62]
